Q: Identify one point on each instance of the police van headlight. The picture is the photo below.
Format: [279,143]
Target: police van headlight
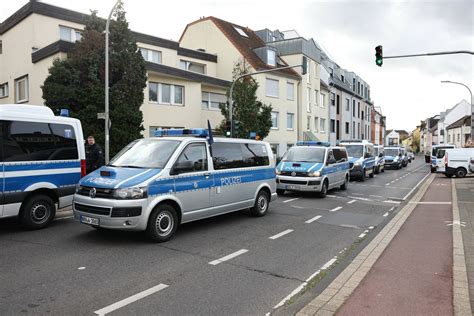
[357,163]
[395,159]
[315,174]
[78,187]
[130,193]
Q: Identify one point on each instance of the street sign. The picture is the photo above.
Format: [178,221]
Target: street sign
[101,116]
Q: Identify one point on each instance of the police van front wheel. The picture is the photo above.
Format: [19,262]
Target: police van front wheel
[162,224]
[37,211]
[260,207]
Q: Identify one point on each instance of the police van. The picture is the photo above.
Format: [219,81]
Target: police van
[361,158]
[393,157]
[42,159]
[437,157]
[379,159]
[181,175]
[313,167]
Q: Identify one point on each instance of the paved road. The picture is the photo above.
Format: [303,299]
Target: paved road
[72,268]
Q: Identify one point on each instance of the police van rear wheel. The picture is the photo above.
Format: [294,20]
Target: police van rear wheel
[37,212]
[460,172]
[162,224]
[260,207]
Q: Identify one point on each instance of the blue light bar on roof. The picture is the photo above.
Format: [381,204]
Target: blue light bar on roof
[197,132]
[312,143]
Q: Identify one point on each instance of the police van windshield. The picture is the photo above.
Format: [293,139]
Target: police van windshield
[145,153]
[305,154]
[354,150]
[391,152]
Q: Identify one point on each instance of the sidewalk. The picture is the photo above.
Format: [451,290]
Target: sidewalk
[415,266]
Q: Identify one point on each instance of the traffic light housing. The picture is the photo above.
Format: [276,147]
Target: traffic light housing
[304,66]
[227,127]
[237,126]
[378,56]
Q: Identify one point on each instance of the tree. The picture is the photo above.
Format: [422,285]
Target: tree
[253,115]
[77,83]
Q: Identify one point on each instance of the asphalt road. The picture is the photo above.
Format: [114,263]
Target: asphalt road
[71,268]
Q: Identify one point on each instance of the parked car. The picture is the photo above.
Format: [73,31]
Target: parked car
[458,162]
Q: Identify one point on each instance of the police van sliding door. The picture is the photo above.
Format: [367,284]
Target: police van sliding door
[2,168]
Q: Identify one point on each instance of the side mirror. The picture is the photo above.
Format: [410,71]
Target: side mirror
[381,155]
[182,166]
[366,155]
[400,154]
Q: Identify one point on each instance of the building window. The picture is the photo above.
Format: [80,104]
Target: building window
[308,102]
[348,105]
[308,75]
[358,109]
[150,55]
[163,93]
[21,89]
[1,47]
[333,126]
[358,87]
[69,34]
[358,130]
[240,31]
[308,123]
[322,99]
[274,148]
[316,124]
[271,88]
[353,85]
[4,90]
[316,97]
[274,120]
[212,100]
[322,125]
[347,128]
[271,57]
[333,99]
[192,66]
[290,91]
[353,108]
[459,137]
[289,120]
[353,129]
[315,70]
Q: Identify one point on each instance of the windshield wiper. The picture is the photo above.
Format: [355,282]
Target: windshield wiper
[130,166]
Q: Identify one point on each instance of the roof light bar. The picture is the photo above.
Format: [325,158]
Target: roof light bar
[196,132]
[312,143]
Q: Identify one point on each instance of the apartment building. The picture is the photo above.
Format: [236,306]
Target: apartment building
[233,43]
[450,116]
[183,89]
[459,132]
[377,125]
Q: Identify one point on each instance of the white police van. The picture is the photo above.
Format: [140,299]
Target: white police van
[155,184]
[42,159]
[361,158]
[379,159]
[437,157]
[393,157]
[313,167]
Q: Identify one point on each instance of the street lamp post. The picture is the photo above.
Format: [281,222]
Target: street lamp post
[472,107]
[107,124]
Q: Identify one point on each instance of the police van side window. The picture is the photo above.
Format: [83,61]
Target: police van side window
[192,159]
[255,155]
[227,156]
[33,141]
[339,155]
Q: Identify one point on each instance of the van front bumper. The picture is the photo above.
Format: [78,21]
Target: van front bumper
[304,184]
[356,171]
[110,213]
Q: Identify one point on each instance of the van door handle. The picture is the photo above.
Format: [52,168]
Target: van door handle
[207,175]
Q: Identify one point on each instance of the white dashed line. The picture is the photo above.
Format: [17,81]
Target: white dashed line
[391,202]
[290,200]
[330,195]
[283,233]
[335,209]
[81,268]
[386,214]
[130,299]
[328,264]
[387,183]
[432,203]
[309,221]
[351,201]
[357,193]
[377,196]
[228,257]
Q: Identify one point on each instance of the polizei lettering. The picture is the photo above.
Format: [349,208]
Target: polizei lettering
[231,181]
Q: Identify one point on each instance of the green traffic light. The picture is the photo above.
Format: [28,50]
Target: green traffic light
[379,62]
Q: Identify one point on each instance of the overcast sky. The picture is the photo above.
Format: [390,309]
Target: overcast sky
[408,89]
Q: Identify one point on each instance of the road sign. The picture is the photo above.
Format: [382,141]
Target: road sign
[101,116]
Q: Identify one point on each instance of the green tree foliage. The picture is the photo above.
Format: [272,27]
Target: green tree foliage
[253,115]
[77,83]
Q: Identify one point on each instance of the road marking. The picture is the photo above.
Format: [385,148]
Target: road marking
[309,221]
[130,299]
[392,202]
[454,223]
[290,200]
[364,234]
[430,203]
[228,257]
[330,195]
[357,193]
[283,233]
[359,198]
[329,263]
[335,209]
[387,183]
[377,196]
[416,186]
[81,268]
[351,201]
[386,214]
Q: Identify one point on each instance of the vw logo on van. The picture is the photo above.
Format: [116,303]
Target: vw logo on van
[293,174]
[92,193]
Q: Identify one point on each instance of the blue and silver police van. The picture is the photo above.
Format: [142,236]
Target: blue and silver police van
[393,157]
[42,158]
[361,158]
[313,166]
[181,175]
[437,157]
[379,159]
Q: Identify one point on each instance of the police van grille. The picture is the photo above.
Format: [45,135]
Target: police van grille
[297,174]
[293,182]
[92,209]
[100,192]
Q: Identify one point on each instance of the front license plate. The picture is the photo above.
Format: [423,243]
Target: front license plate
[90,220]
[292,187]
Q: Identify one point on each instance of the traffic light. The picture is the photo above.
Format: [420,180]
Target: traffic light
[227,127]
[237,126]
[378,56]
[304,66]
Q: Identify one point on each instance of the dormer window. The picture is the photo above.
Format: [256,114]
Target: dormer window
[271,57]
[342,78]
[240,31]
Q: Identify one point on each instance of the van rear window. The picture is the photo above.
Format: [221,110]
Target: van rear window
[239,155]
[34,141]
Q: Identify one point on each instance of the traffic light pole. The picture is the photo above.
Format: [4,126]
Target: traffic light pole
[431,54]
[231,101]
